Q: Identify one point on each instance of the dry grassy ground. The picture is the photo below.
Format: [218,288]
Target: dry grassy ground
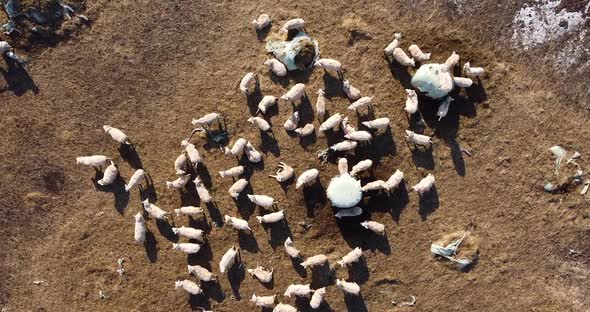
[148,67]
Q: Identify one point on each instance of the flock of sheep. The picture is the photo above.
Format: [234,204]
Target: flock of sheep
[190,157]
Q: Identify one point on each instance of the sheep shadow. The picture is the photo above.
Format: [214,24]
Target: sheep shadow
[477,93]
[151,247]
[129,154]
[165,230]
[200,223]
[214,213]
[268,143]
[213,290]
[296,263]
[322,276]
[203,257]
[457,156]
[356,235]
[149,191]
[278,232]
[429,202]
[308,140]
[189,195]
[17,78]
[236,276]
[244,205]
[333,86]
[358,272]
[247,241]
[121,196]
[243,161]
[423,158]
[262,33]
[314,196]
[383,144]
[355,303]
[203,172]
[306,113]
[400,73]
[198,302]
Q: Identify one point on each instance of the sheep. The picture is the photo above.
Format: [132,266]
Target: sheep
[351,257]
[452,60]
[361,166]
[418,139]
[228,259]
[262,200]
[189,232]
[350,91]
[295,93]
[372,186]
[283,307]
[137,178]
[94,161]
[190,286]
[276,67]
[393,182]
[307,177]
[109,175]
[374,226]
[189,211]
[266,102]
[232,172]
[333,122]
[237,148]
[402,58]
[263,301]
[153,210]
[237,223]
[306,130]
[344,146]
[179,183]
[291,123]
[348,287]
[202,191]
[393,44]
[117,135]
[349,212]
[284,173]
[261,22]
[347,128]
[260,123]
[261,274]
[443,108]
[379,123]
[424,185]
[140,229]
[365,101]
[417,54]
[342,166]
[411,101]
[252,154]
[320,105]
[247,82]
[191,152]
[317,298]
[201,273]
[296,23]
[298,290]
[290,249]
[237,188]
[462,82]
[180,164]
[206,120]
[314,261]
[472,71]
[187,248]
[329,65]
[271,217]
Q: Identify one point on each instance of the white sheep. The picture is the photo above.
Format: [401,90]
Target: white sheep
[153,210]
[247,82]
[320,105]
[179,183]
[261,22]
[237,223]
[94,161]
[189,232]
[266,102]
[276,67]
[342,166]
[187,248]
[317,298]
[306,130]
[472,71]
[393,44]
[237,148]
[137,178]
[228,259]
[202,191]
[295,93]
[271,217]
[417,54]
[418,139]
[117,134]
[206,120]
[329,65]
[291,123]
[307,177]
[180,164]
[261,274]
[262,200]
[201,273]
[252,154]
[344,146]
[452,60]
[283,307]
[109,175]
[190,286]
[424,185]
[140,229]
[298,290]
[261,123]
[402,58]
[191,152]
[296,23]
[379,123]
[333,122]
[263,301]
[359,136]
[347,127]
[351,257]
[189,211]
[348,287]
[350,91]
[411,101]
[365,101]
[462,82]
[393,182]
[290,249]
[284,173]
[237,188]
[373,186]
[232,172]
[314,261]
[361,166]
[374,226]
